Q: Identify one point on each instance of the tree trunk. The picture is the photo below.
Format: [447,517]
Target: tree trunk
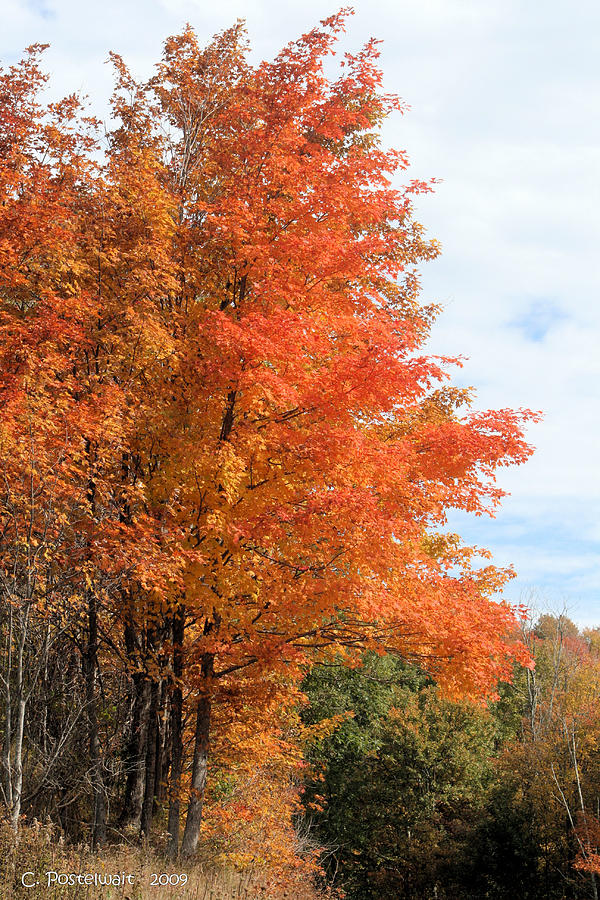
[90,666]
[8,727]
[176,722]
[19,723]
[150,780]
[135,754]
[200,763]
[14,717]
[162,736]
[17,769]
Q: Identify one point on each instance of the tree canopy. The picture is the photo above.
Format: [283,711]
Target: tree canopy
[224,447]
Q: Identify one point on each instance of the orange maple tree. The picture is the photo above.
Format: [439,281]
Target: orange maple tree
[212,331]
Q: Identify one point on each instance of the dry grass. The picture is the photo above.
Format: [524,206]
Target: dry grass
[37,853]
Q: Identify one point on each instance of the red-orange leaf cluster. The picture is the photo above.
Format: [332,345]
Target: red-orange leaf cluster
[220,434]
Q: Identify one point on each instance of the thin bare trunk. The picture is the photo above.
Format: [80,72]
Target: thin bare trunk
[8,727]
[17,761]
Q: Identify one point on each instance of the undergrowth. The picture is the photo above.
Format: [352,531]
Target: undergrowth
[44,859]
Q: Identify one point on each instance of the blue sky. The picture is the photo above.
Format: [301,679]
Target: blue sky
[503,98]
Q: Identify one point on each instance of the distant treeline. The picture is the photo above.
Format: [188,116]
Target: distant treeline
[416,797]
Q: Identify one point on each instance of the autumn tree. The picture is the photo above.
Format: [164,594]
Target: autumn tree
[216,341]
[318,430]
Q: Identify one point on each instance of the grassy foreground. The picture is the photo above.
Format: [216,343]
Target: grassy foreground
[37,867]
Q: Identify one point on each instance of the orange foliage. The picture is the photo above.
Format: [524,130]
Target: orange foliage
[214,373]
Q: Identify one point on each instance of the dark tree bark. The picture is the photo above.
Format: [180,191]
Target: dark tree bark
[150,779]
[135,753]
[90,664]
[162,737]
[200,763]
[176,727]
